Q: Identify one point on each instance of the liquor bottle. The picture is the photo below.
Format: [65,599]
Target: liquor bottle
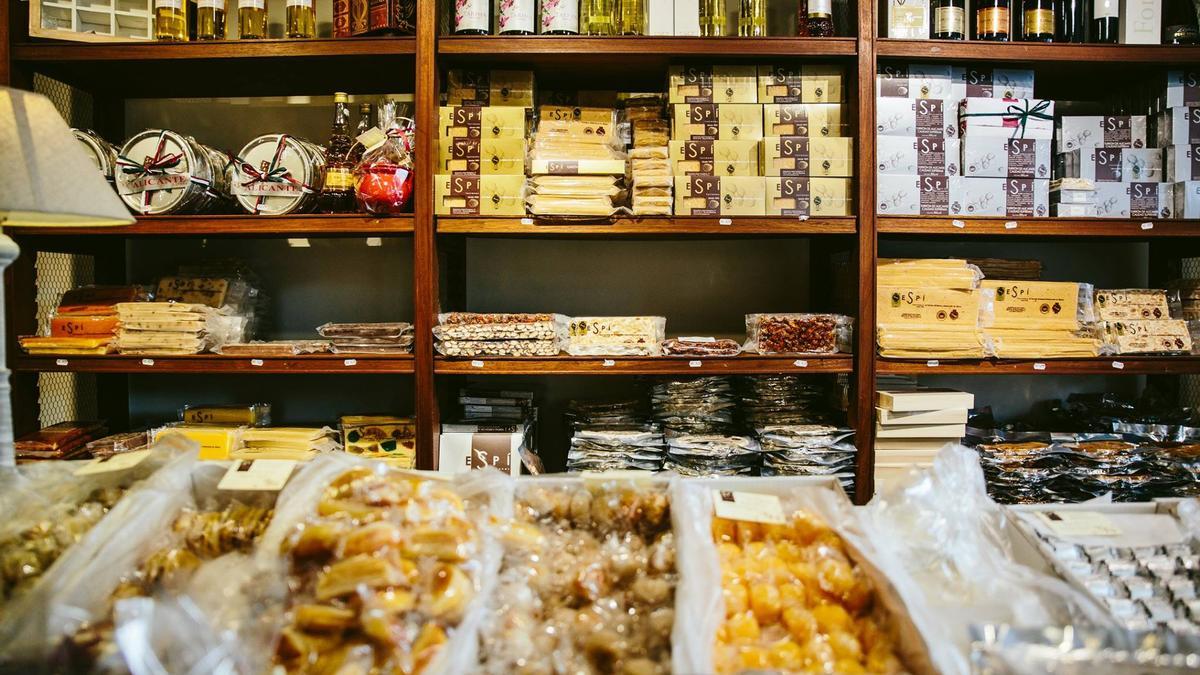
[210,19]
[820,18]
[949,20]
[992,20]
[559,17]
[472,17]
[752,18]
[600,17]
[1038,21]
[712,18]
[170,21]
[632,17]
[252,19]
[337,193]
[516,17]
[801,18]
[301,19]
[364,123]
[1106,21]
[1179,23]
[1072,21]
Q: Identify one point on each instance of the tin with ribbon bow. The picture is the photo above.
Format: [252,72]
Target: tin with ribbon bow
[99,150]
[278,174]
[160,172]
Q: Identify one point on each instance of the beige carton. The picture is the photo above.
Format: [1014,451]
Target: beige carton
[574,113]
[720,196]
[490,87]
[1034,304]
[471,195]
[487,156]
[822,84]
[712,84]
[714,158]
[803,156]
[802,196]
[482,122]
[805,119]
[780,84]
[724,121]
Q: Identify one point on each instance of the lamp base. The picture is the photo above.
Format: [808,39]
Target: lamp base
[8,456]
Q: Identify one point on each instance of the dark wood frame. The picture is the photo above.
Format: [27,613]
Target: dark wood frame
[426,55]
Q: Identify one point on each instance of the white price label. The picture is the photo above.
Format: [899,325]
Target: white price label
[958,223]
[527,221]
[372,138]
[1079,523]
[350,363]
[117,462]
[803,218]
[609,363]
[695,364]
[1039,366]
[147,362]
[800,363]
[299,3]
[374,242]
[1147,226]
[751,506]
[61,363]
[1010,225]
[725,221]
[477,364]
[932,363]
[698,339]
[257,363]
[257,474]
[1118,365]
[301,242]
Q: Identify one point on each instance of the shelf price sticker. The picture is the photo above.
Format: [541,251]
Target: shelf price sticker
[958,223]
[695,364]
[350,363]
[608,363]
[257,474]
[257,363]
[1039,366]
[527,221]
[800,363]
[1067,523]
[754,507]
[932,363]
[148,362]
[725,221]
[477,364]
[1010,225]
[118,462]
[61,363]
[1118,365]
[803,218]
[1147,226]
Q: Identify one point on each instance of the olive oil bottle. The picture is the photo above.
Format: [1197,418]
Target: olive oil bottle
[712,18]
[300,19]
[170,21]
[210,19]
[252,19]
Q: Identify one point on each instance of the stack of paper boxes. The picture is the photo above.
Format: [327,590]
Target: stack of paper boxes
[1177,132]
[953,140]
[1108,169]
[913,425]
[760,141]
[482,144]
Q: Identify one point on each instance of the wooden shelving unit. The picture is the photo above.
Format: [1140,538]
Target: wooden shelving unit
[115,73]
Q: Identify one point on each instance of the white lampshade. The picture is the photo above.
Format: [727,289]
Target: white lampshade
[45,177]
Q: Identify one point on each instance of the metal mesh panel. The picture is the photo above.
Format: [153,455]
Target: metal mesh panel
[1189,385]
[62,396]
[73,104]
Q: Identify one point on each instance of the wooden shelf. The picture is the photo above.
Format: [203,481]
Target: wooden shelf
[215,363]
[956,50]
[61,51]
[650,225]
[1127,365]
[746,364]
[314,225]
[1036,227]
[606,47]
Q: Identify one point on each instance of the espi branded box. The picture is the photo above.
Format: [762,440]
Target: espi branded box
[810,83]
[1181,162]
[912,195]
[1177,126]
[999,157]
[953,83]
[803,196]
[916,118]
[471,195]
[481,122]
[1134,200]
[805,119]
[1186,198]
[712,121]
[714,158]
[898,155]
[961,195]
[1181,90]
[712,84]
[1112,165]
[802,156]
[1107,131]
[1020,118]
[482,155]
[720,196]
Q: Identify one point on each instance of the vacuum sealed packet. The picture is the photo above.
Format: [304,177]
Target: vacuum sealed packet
[701,346]
[616,335]
[479,326]
[798,333]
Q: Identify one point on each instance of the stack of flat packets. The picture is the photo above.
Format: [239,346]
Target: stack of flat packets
[771,400]
[649,160]
[295,443]
[808,450]
[713,455]
[576,167]
[468,334]
[930,309]
[1138,321]
[703,405]
[85,322]
[1040,319]
[369,338]
[165,328]
[613,436]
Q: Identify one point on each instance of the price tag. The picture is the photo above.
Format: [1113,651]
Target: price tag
[1078,523]
[725,221]
[256,362]
[752,506]
[1147,226]
[1039,366]
[803,218]
[1010,225]
[697,339]
[301,242]
[147,362]
[350,363]
[527,221]
[61,363]
[117,462]
[609,363]
[477,364]
[695,364]
[932,363]
[1118,365]
[374,242]
[372,138]
[958,223]
[257,474]
[800,363]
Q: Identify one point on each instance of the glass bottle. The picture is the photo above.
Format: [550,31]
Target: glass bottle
[1072,21]
[472,17]
[801,18]
[252,19]
[559,17]
[712,18]
[337,193]
[949,20]
[364,123]
[752,18]
[1038,21]
[992,20]
[601,15]
[516,17]
[1106,20]
[820,18]
[632,15]
[210,19]
[301,19]
[170,21]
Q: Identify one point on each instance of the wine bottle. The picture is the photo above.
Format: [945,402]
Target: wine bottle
[949,20]
[992,20]
[1072,21]
[820,18]
[1106,21]
[559,17]
[472,17]
[516,17]
[1038,21]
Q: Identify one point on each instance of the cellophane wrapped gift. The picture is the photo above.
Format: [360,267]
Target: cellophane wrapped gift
[384,177]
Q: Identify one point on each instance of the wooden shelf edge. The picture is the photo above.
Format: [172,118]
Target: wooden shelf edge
[216,363]
[1127,365]
[498,45]
[1036,227]
[616,365]
[955,50]
[53,50]
[649,225]
[237,225]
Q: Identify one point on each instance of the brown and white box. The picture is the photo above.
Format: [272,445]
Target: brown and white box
[898,155]
[1007,197]
[999,157]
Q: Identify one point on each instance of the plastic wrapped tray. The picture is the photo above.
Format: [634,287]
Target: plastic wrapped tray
[798,333]
[473,326]
[701,346]
[465,348]
[364,330]
[274,348]
[250,415]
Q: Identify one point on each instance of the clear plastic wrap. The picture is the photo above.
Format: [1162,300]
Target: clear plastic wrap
[928,273]
[921,344]
[383,180]
[1038,304]
[251,414]
[701,346]
[364,330]
[116,444]
[467,348]
[581,552]
[274,348]
[940,309]
[1080,650]
[1130,304]
[616,335]
[475,326]
[1154,336]
[1023,343]
[798,333]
